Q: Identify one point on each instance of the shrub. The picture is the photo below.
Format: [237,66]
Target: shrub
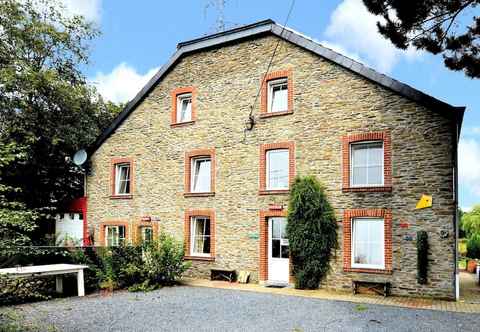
[473,246]
[422,257]
[312,232]
[19,290]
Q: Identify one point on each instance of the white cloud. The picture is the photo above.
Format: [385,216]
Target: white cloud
[90,9]
[354,29]
[122,84]
[468,161]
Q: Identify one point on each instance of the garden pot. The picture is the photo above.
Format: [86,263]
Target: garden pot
[472,266]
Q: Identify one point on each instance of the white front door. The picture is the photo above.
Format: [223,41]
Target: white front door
[278,262]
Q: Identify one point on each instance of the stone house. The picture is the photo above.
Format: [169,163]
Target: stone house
[196,154]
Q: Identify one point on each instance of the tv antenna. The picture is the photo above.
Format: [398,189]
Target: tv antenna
[220,7]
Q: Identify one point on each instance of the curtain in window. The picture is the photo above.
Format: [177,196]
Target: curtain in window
[201,179]
[185,110]
[279,98]
[367,163]
[277,172]
[368,245]
[201,235]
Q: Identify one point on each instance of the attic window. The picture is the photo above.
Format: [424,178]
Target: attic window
[278,95]
[183,106]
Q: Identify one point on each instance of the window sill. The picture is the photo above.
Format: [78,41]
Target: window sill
[273,114]
[181,124]
[274,192]
[368,189]
[199,258]
[366,270]
[209,194]
[121,196]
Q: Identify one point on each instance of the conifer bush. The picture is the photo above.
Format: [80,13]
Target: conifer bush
[312,232]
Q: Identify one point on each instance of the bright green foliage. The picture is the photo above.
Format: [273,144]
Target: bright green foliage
[471,221]
[47,109]
[473,246]
[312,232]
[422,257]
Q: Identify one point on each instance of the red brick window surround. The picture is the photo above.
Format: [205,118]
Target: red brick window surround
[206,215]
[265,187]
[355,140]
[122,178]
[103,231]
[178,96]
[196,163]
[263,250]
[268,82]
[349,217]
[139,226]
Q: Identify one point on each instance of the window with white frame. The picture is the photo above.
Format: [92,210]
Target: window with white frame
[184,107]
[115,235]
[366,168]
[200,236]
[278,95]
[201,175]
[277,169]
[368,246]
[122,179]
[147,233]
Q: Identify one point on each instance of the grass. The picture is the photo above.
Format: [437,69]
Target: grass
[361,307]
[13,321]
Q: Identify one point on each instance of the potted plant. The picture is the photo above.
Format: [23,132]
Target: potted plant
[472,265]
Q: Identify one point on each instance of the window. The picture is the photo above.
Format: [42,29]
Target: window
[200,175]
[146,233]
[200,236]
[122,179]
[278,96]
[184,107]
[279,237]
[277,169]
[366,164]
[368,243]
[115,235]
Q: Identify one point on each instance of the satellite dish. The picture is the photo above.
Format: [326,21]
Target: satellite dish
[80,157]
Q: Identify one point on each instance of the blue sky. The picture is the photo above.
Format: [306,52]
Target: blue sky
[139,36]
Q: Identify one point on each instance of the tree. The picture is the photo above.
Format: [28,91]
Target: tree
[436,26]
[471,221]
[46,106]
[312,232]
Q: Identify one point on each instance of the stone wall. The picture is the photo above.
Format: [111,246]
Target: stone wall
[328,102]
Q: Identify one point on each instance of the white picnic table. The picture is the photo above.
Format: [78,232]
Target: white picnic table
[47,270]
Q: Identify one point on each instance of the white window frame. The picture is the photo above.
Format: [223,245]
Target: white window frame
[271,85]
[352,245]
[193,225]
[119,239]
[180,99]
[267,169]
[142,232]
[193,168]
[117,179]
[352,165]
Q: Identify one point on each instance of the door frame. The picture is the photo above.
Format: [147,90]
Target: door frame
[264,239]
[270,258]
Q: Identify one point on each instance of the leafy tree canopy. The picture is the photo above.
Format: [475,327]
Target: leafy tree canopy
[447,27]
[47,109]
[471,221]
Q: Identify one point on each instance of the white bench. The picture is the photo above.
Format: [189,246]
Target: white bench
[47,270]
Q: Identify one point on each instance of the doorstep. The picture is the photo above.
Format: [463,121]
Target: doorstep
[396,301]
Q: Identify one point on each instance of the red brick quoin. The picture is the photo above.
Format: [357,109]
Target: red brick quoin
[348,215]
[288,74]
[387,160]
[186,231]
[263,164]
[179,91]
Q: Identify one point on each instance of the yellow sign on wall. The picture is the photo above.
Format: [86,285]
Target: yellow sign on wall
[424,202]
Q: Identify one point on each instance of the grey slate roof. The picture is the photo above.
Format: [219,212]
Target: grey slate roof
[270,27]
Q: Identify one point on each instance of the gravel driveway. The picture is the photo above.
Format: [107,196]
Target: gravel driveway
[202,309]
